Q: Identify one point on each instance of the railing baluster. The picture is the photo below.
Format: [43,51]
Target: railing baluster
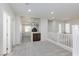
[61,38]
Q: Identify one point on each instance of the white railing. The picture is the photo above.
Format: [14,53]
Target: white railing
[63,39]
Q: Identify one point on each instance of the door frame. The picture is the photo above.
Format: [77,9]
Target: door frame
[6,33]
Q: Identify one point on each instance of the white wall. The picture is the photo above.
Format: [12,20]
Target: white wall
[13,31]
[18,30]
[53,26]
[15,24]
[44,28]
[5,8]
[1,30]
[50,27]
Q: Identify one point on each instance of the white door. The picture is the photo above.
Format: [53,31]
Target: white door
[6,33]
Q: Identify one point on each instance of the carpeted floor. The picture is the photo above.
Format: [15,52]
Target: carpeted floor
[41,48]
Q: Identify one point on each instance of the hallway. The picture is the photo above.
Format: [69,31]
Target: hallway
[24,23]
[42,48]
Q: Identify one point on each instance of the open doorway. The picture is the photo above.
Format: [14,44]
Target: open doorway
[30,25]
[26,29]
[26,33]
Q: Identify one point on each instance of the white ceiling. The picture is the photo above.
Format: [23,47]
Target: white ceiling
[62,11]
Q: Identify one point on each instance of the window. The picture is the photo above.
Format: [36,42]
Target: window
[27,28]
[67,28]
[59,28]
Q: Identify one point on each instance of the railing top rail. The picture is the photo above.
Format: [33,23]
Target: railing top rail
[60,33]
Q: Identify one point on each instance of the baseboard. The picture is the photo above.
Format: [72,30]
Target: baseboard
[63,46]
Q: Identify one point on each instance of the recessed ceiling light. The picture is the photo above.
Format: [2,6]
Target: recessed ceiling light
[29,10]
[52,12]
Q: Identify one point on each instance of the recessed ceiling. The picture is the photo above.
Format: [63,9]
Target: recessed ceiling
[61,10]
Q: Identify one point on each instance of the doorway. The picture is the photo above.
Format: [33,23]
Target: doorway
[26,33]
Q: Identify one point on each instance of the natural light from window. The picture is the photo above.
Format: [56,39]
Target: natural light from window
[27,28]
[67,28]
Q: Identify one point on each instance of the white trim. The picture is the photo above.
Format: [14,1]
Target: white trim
[4,32]
[61,45]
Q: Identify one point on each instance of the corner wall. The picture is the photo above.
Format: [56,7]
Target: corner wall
[18,30]
[44,29]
